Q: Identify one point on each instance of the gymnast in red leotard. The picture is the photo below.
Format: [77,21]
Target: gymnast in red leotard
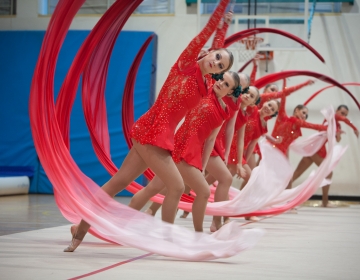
[244,141]
[289,128]
[271,92]
[194,141]
[216,167]
[340,115]
[153,134]
[217,164]
[218,154]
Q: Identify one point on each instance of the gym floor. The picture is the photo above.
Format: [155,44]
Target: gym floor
[315,243]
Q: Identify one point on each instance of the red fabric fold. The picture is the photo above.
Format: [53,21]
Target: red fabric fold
[268,79]
[77,196]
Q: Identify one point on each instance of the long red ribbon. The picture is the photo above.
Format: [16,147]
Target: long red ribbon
[127,112]
[268,79]
[321,90]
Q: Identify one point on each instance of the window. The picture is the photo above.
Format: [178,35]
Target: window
[271,7]
[100,7]
[7,7]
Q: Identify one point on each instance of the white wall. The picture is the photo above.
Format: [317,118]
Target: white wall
[334,36]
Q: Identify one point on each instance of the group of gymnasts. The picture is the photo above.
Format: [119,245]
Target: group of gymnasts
[224,117]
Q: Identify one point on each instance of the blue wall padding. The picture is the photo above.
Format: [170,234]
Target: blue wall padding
[18,55]
[10,171]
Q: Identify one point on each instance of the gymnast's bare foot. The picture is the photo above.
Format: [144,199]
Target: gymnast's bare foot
[329,204]
[292,211]
[214,227]
[252,219]
[148,211]
[74,242]
[184,215]
[226,220]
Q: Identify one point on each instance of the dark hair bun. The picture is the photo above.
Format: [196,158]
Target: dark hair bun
[217,77]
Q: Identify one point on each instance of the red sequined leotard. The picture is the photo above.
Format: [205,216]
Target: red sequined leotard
[253,73]
[253,130]
[338,118]
[197,127]
[290,128]
[182,91]
[219,37]
[219,146]
[267,96]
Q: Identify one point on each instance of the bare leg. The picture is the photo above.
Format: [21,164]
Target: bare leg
[154,207]
[303,165]
[195,180]
[161,162]
[209,178]
[139,200]
[217,168]
[138,159]
[245,181]
[232,169]
[251,162]
[325,189]
[258,161]
[132,167]
[325,193]
[186,213]
[248,173]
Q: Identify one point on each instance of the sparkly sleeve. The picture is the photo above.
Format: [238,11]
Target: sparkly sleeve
[190,54]
[229,133]
[253,73]
[255,131]
[271,95]
[219,38]
[209,81]
[290,90]
[305,124]
[259,130]
[240,143]
[345,120]
[282,112]
[285,92]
